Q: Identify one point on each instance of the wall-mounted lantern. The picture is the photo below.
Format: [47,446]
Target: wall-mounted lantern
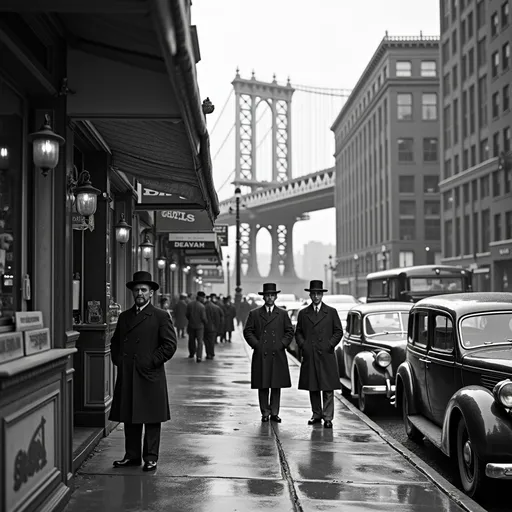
[5,158]
[45,147]
[173,266]
[147,248]
[122,230]
[161,262]
[86,195]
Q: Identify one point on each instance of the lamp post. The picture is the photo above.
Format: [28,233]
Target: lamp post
[238,289]
[384,251]
[172,268]
[228,276]
[356,271]
[331,268]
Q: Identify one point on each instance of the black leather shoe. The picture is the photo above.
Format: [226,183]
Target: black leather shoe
[264,419]
[313,421]
[198,360]
[126,462]
[190,356]
[276,418]
[150,465]
[327,424]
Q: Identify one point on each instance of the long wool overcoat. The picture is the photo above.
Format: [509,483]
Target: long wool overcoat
[317,335]
[140,346]
[269,337]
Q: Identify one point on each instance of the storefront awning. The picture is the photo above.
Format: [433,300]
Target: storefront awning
[145,104]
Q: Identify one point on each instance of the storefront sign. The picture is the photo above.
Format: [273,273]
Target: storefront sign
[212,275]
[11,346]
[501,250]
[182,220]
[26,320]
[150,197]
[36,341]
[193,237]
[191,244]
[201,260]
[222,233]
[29,451]
[504,252]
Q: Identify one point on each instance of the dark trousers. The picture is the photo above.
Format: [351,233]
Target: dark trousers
[267,408]
[209,343]
[327,410]
[195,341]
[133,441]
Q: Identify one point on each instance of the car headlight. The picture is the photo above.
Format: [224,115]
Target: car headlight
[503,393]
[383,359]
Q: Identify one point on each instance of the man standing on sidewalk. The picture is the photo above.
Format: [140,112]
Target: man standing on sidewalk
[317,333]
[214,316]
[269,331]
[143,341]
[197,322]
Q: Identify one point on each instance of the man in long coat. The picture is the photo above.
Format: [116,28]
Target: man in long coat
[143,341]
[214,316]
[317,333]
[180,315]
[269,331]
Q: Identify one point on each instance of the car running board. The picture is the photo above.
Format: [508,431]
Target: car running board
[347,384]
[432,432]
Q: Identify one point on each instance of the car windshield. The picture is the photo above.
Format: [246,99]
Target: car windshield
[386,323]
[488,329]
[436,285]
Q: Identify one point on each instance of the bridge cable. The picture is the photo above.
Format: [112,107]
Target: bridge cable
[221,112]
[224,142]
[226,181]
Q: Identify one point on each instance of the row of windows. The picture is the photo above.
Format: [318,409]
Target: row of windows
[407,229]
[406,149]
[403,68]
[459,196]
[471,233]
[431,207]
[407,185]
[469,155]
[404,111]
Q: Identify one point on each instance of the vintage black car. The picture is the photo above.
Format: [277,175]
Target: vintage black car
[372,348]
[455,388]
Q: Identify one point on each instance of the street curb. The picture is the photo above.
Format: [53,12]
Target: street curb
[455,494]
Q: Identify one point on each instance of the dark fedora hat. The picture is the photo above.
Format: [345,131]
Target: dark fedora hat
[269,288]
[213,295]
[315,286]
[200,293]
[142,277]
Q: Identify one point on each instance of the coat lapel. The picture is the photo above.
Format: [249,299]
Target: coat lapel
[136,319]
[264,316]
[316,317]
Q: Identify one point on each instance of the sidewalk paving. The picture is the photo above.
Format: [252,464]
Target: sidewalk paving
[216,455]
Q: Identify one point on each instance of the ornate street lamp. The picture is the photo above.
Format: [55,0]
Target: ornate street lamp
[356,271]
[147,248]
[5,158]
[86,196]
[122,230]
[45,147]
[161,262]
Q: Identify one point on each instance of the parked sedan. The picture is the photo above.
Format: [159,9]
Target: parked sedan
[455,387]
[372,348]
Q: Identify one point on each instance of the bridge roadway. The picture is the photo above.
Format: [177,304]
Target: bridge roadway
[217,456]
[289,200]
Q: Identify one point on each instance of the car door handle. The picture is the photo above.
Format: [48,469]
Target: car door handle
[426,361]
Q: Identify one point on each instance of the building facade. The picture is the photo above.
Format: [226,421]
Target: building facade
[476,167]
[387,164]
[126,111]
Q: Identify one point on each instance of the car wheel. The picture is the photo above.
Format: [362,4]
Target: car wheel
[412,432]
[471,468]
[366,403]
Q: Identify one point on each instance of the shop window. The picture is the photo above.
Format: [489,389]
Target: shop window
[11,137]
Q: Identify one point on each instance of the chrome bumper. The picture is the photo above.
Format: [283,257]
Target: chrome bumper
[500,471]
[387,389]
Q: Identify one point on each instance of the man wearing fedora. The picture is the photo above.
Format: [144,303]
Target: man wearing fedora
[268,331]
[197,323]
[214,316]
[317,333]
[143,341]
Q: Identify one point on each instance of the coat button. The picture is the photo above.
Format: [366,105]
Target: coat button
[273,354]
[265,354]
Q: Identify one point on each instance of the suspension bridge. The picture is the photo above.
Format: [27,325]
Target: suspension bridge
[282,178]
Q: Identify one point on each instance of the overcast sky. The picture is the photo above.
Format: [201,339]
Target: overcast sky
[325,43]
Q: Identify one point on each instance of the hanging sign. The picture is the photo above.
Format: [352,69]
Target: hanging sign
[222,233]
[182,220]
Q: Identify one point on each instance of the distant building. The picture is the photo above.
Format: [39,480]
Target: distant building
[316,260]
[476,170]
[387,164]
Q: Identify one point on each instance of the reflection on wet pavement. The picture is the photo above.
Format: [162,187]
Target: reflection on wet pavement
[217,456]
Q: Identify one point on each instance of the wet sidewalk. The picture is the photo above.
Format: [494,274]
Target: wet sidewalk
[217,456]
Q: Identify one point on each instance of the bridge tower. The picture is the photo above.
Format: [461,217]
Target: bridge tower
[249,94]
